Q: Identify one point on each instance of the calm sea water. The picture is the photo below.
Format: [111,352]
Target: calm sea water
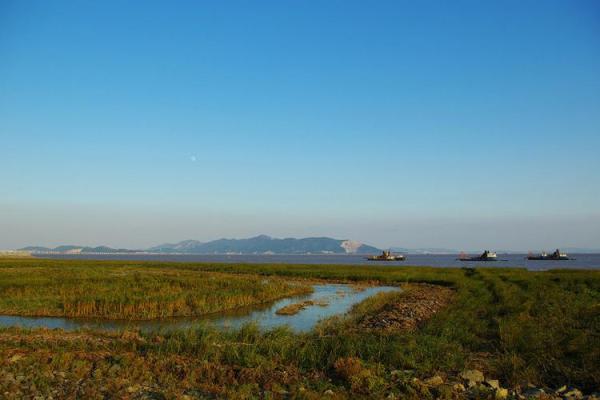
[579,261]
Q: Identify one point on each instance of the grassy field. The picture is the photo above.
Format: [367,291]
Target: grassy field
[517,326]
[40,288]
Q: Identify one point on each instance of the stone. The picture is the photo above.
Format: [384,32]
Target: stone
[501,393]
[493,383]
[533,393]
[573,394]
[459,387]
[434,380]
[133,389]
[472,376]
[328,392]
[481,388]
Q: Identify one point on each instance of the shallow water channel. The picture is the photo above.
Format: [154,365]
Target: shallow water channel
[332,299]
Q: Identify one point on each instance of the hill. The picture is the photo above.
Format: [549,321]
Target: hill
[264,244]
[261,244]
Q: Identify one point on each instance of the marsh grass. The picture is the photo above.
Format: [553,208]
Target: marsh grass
[515,325]
[518,325]
[130,292]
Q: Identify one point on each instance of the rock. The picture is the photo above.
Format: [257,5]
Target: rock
[533,393]
[561,389]
[493,383]
[434,380]
[472,377]
[328,392]
[501,393]
[458,387]
[573,394]
[481,388]
[133,389]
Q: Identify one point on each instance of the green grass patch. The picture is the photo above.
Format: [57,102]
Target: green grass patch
[515,325]
[89,289]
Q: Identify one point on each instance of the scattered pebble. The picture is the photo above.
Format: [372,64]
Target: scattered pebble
[417,304]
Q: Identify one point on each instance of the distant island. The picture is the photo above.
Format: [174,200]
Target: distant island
[265,245]
[261,244]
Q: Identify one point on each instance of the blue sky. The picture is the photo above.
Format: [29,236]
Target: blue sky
[459,124]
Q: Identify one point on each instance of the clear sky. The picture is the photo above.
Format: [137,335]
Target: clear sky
[461,124]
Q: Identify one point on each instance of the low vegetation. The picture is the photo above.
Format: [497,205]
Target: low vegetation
[517,326]
[89,289]
[295,308]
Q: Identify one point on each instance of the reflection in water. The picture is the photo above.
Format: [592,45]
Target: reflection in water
[328,299]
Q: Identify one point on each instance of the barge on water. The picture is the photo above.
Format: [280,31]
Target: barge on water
[556,255]
[485,256]
[387,255]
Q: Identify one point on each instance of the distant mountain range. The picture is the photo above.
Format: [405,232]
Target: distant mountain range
[262,244]
[72,249]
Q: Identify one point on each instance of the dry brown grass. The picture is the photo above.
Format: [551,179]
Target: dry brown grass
[292,309]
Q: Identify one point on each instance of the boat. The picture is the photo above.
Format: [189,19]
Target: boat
[485,256]
[556,256]
[387,255]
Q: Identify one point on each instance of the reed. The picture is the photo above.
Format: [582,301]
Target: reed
[130,291]
[515,325]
